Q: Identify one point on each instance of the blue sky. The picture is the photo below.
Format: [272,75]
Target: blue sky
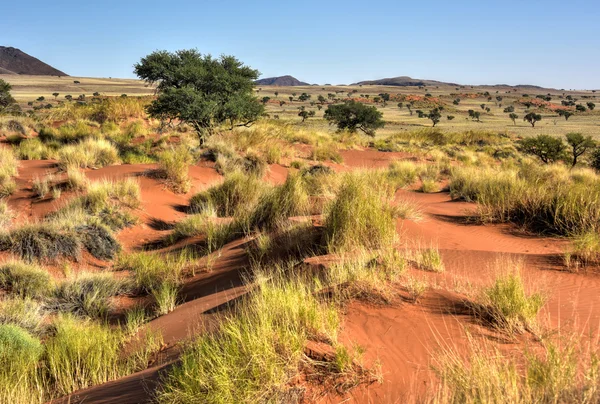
[549,43]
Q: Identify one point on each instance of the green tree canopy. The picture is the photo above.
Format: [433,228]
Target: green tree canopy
[549,149]
[579,145]
[352,115]
[201,90]
[7,102]
[532,118]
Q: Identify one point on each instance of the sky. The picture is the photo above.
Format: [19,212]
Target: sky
[548,43]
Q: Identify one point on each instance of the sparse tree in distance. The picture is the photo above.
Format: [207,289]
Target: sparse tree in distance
[435,116]
[514,118]
[304,114]
[68,97]
[55,95]
[579,145]
[291,98]
[352,116]
[265,100]
[591,105]
[580,108]
[565,113]
[532,118]
[201,90]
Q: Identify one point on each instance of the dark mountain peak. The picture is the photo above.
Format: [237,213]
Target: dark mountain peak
[15,61]
[284,81]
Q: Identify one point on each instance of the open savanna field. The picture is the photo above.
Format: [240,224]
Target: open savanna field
[29,88]
[288,261]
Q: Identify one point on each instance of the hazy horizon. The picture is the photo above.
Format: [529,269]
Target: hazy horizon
[336,42]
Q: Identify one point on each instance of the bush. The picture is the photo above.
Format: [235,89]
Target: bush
[8,169]
[90,153]
[81,354]
[34,149]
[352,116]
[19,356]
[23,312]
[44,242]
[544,199]
[6,215]
[361,215]
[26,280]
[238,193]
[547,148]
[174,166]
[89,294]
[99,241]
[508,306]
[216,234]
[151,270]
[254,353]
[276,205]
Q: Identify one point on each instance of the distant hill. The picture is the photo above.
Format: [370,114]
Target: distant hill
[15,61]
[403,81]
[283,81]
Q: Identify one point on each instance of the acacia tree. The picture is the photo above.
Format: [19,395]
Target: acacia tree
[7,102]
[55,95]
[547,148]
[514,117]
[579,145]
[532,118]
[304,114]
[435,116]
[566,114]
[352,115]
[201,90]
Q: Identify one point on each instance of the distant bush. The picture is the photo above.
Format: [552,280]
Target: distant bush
[8,169]
[352,116]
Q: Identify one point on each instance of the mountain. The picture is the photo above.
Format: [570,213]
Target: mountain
[403,81]
[15,61]
[283,81]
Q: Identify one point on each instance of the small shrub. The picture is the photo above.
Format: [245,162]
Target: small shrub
[99,241]
[238,193]
[24,279]
[6,215]
[360,216]
[165,297]
[151,270]
[8,169]
[23,312]
[89,294]
[90,153]
[174,166]
[20,353]
[33,149]
[44,241]
[81,354]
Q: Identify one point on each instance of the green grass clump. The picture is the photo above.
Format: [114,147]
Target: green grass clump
[238,193]
[165,297]
[89,294]
[276,205]
[558,372]
[173,166]
[25,279]
[90,153]
[584,251]
[326,152]
[509,306]
[428,259]
[44,242]
[360,216]
[80,354]
[6,214]
[23,312]
[34,149]
[8,169]
[216,234]
[19,356]
[403,173]
[254,354]
[151,270]
[110,202]
[547,199]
